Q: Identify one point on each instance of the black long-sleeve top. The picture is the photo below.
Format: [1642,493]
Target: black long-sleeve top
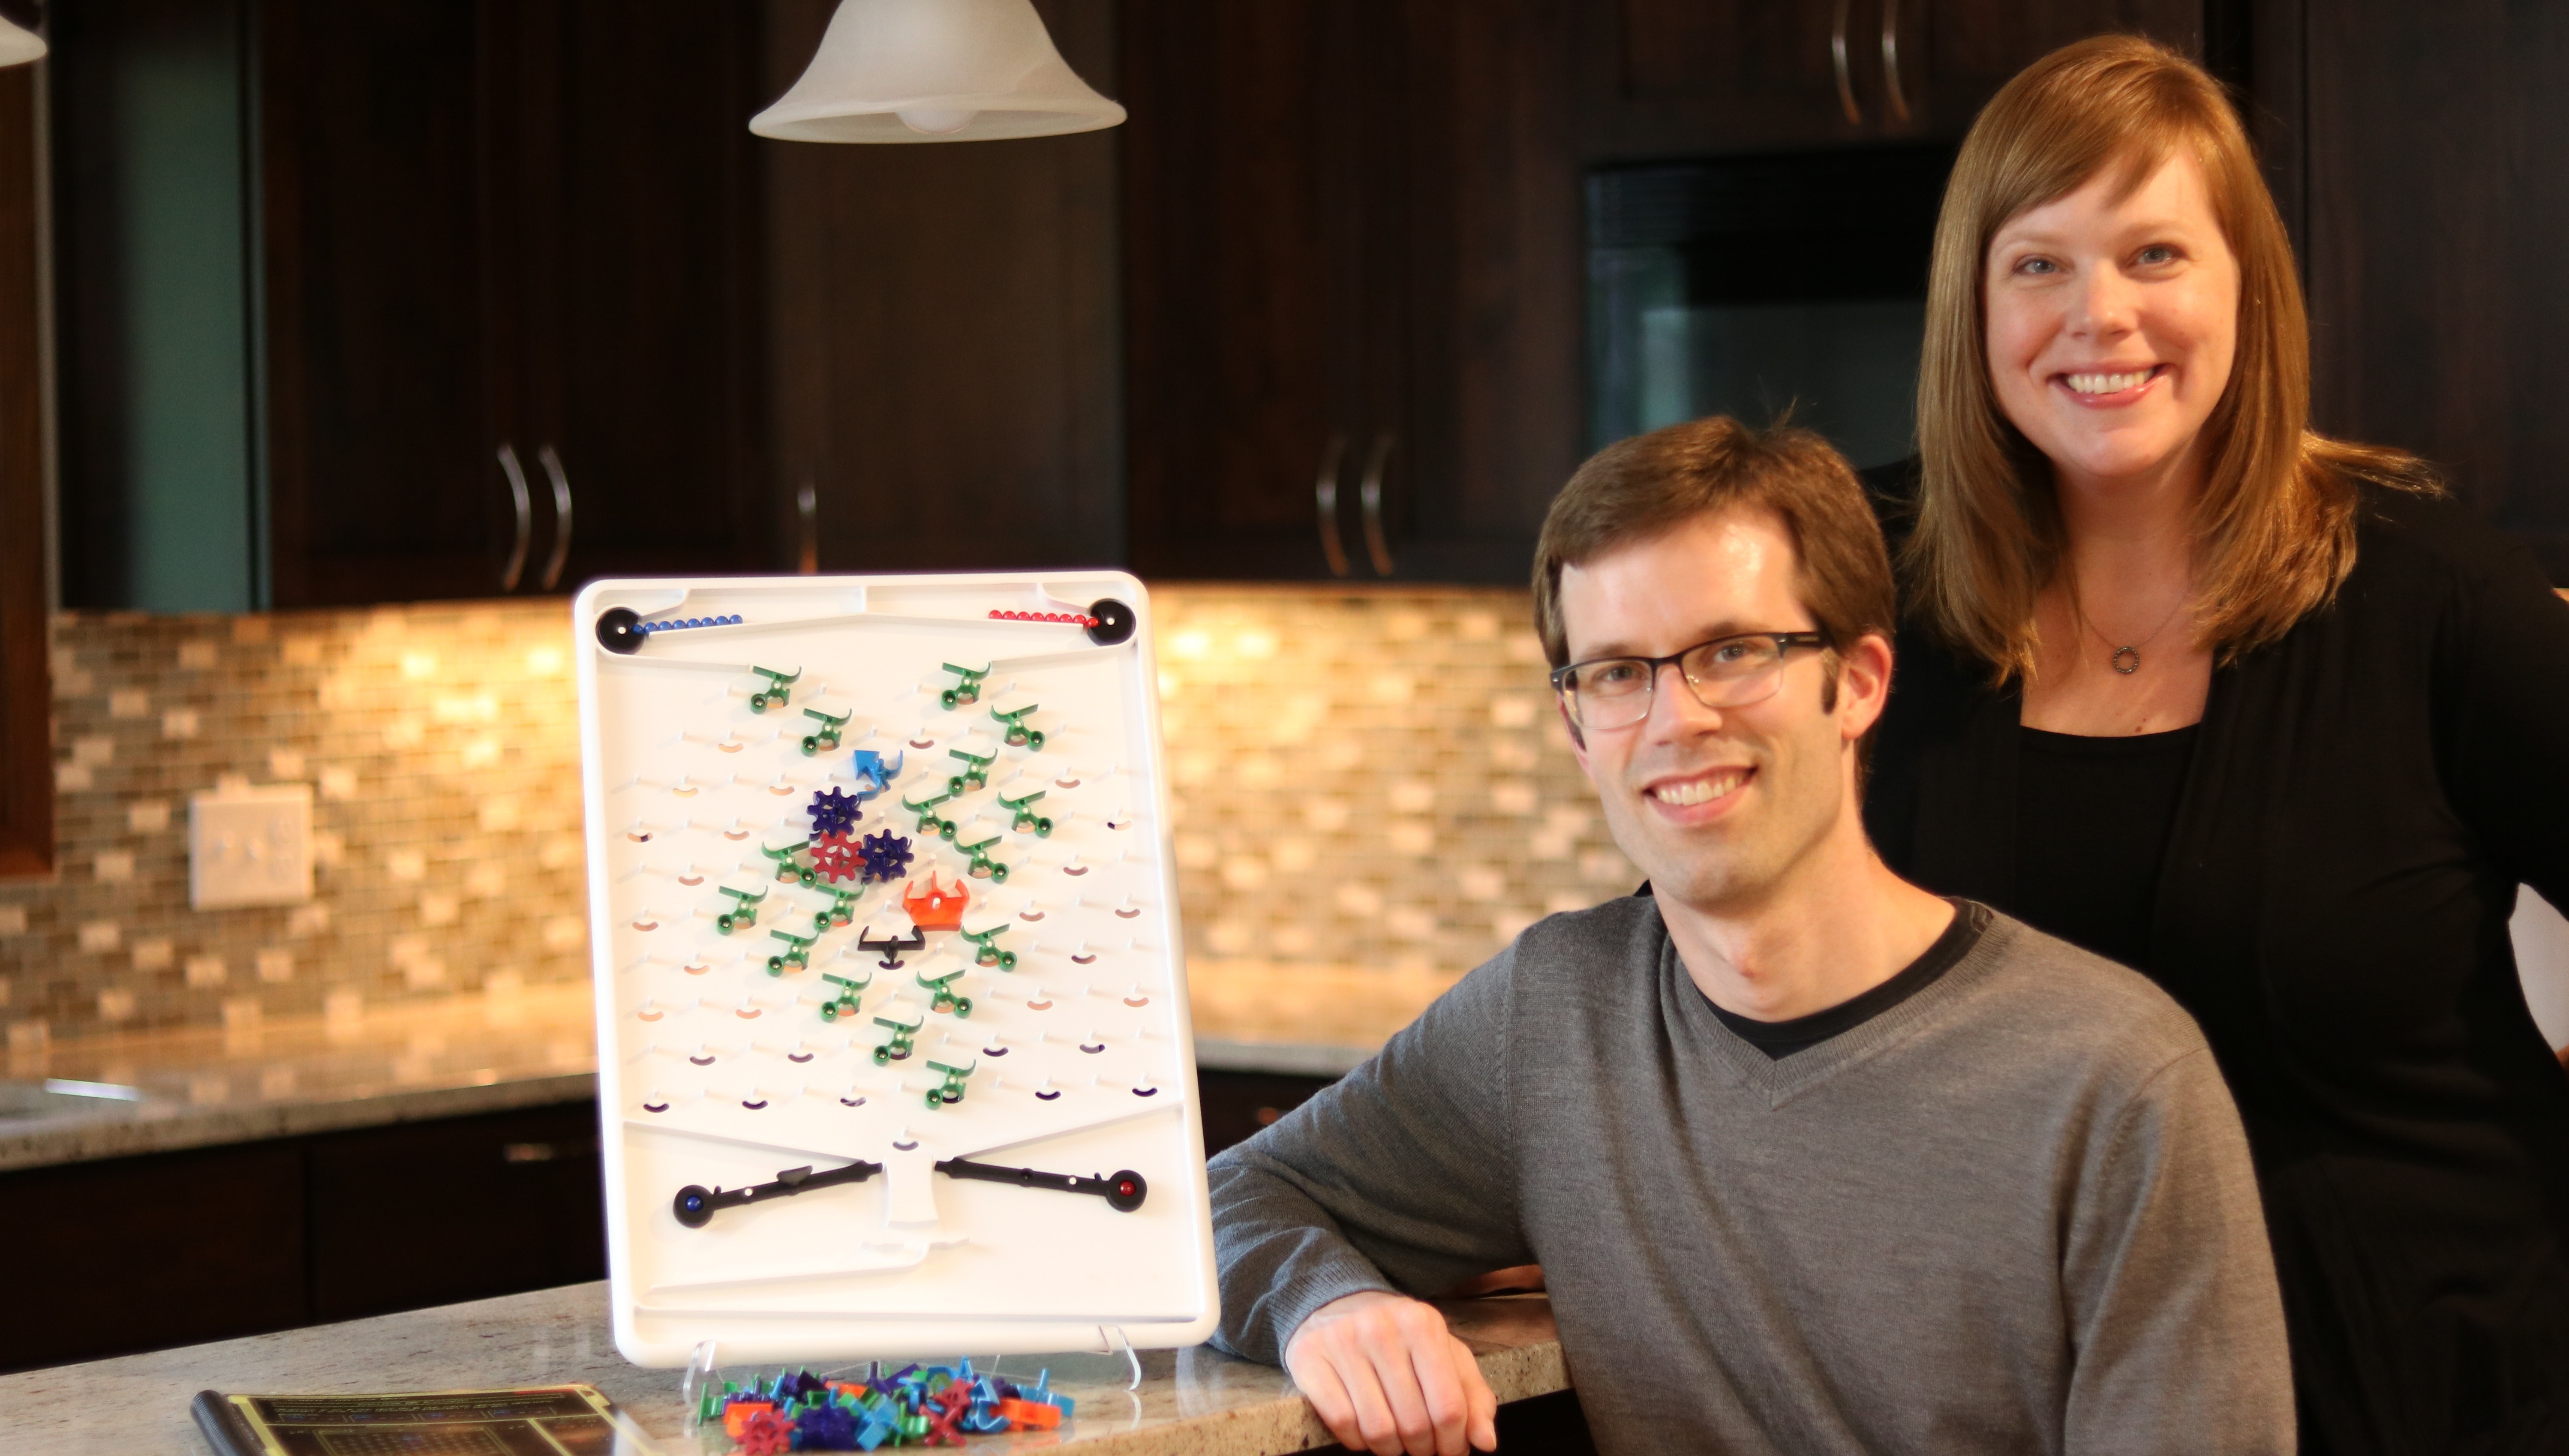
[2362,800]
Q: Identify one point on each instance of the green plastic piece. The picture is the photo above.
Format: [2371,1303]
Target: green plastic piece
[827,737]
[983,867]
[903,1038]
[976,774]
[779,690]
[966,688]
[1018,734]
[987,953]
[947,998]
[843,908]
[1027,819]
[953,1091]
[930,822]
[845,1003]
[786,869]
[794,956]
[741,915]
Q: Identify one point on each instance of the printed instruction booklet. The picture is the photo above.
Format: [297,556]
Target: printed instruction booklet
[545,1420]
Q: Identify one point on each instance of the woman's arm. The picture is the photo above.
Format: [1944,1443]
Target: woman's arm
[2506,719]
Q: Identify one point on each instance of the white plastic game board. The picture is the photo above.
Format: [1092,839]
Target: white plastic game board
[975,1131]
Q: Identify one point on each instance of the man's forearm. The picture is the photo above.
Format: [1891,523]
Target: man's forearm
[1280,1255]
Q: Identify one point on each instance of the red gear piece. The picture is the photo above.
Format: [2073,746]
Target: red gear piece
[835,858]
[764,1434]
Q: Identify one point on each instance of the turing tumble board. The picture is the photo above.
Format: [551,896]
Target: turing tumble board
[717,1074]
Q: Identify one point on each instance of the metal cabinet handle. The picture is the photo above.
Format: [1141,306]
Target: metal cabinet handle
[561,513]
[1891,61]
[1326,495]
[526,505]
[807,508]
[1838,57]
[1370,494]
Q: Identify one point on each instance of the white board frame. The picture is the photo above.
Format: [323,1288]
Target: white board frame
[908,1261]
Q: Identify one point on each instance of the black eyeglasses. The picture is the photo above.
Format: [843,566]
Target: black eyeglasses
[1606,694]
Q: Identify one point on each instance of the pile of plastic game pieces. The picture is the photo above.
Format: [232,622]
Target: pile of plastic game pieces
[930,1405]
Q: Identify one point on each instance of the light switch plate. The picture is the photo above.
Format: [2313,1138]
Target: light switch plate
[249,845]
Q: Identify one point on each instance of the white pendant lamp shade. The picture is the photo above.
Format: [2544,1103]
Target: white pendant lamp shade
[935,71]
[18,45]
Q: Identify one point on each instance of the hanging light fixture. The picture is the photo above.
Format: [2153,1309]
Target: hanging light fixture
[935,71]
[19,45]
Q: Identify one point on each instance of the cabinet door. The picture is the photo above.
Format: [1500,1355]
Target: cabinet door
[943,332]
[632,224]
[459,1209]
[138,1253]
[2429,139]
[1681,77]
[1946,58]
[387,388]
[492,225]
[1259,146]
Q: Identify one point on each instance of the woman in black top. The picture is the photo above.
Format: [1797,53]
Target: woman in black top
[2263,714]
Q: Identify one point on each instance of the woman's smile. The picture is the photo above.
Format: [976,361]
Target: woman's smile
[2109,386]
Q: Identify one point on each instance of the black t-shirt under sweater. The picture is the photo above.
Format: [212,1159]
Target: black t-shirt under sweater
[1780,1039]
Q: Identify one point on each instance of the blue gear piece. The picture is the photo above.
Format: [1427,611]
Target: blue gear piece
[887,856]
[834,813]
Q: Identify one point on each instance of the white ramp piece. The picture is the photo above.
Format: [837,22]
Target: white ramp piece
[893,1041]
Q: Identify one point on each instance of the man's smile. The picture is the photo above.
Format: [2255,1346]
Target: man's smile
[1708,791]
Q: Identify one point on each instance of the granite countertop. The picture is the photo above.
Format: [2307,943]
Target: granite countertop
[1195,1401]
[527,1047]
[447,1058]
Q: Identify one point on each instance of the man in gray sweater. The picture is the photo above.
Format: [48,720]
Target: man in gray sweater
[1812,1161]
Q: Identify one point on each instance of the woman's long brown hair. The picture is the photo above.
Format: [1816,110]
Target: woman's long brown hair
[2273,526]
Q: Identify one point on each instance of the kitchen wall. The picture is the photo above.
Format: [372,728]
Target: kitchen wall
[1367,779]
[442,746]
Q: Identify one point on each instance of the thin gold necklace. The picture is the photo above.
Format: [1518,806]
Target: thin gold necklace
[2129,651]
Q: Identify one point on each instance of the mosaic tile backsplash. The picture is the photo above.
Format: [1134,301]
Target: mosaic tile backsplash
[1362,779]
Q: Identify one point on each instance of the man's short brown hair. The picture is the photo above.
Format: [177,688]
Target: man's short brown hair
[1637,488]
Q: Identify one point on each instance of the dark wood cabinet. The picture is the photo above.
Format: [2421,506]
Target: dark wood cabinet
[502,226]
[141,1253]
[1668,78]
[26,695]
[138,1253]
[943,337]
[1355,249]
[1267,318]
[1351,272]
[461,1209]
[2416,148]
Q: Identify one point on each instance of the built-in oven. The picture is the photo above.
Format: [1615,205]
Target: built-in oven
[1752,285]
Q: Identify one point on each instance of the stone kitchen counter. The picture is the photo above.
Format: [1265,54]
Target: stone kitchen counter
[1193,1401]
[475,1054]
[403,1063]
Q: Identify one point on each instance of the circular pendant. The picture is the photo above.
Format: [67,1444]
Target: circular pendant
[2130,666]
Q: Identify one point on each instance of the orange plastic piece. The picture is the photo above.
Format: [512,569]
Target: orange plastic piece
[1031,1416]
[935,909]
[736,1416]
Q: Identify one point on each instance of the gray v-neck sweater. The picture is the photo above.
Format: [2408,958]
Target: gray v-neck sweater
[2013,1213]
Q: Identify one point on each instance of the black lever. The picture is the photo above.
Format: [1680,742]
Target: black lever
[695,1204]
[1122,1191]
[891,947]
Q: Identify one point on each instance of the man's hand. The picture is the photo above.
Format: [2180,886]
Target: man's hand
[1385,1375]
